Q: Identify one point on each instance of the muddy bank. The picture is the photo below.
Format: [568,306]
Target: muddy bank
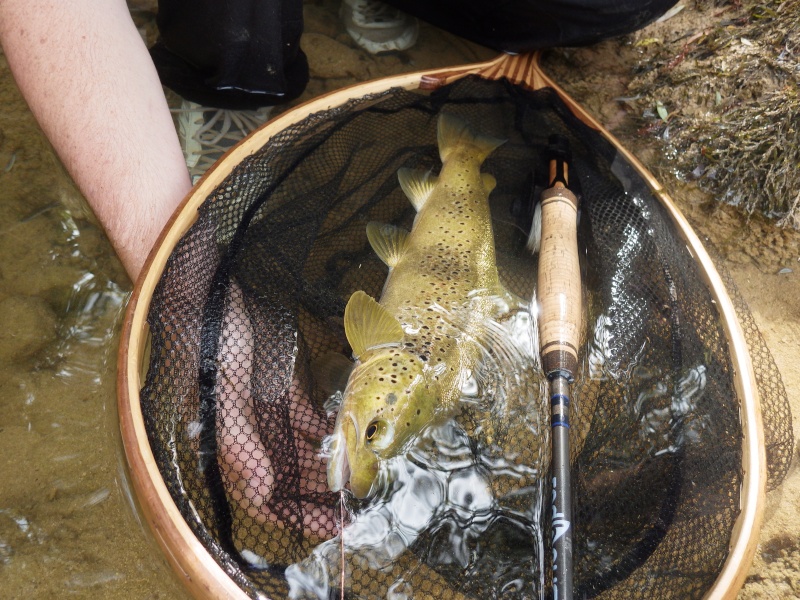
[762,257]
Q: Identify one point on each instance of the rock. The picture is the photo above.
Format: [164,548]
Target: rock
[27,324]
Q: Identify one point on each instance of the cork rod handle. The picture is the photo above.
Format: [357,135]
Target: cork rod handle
[559,286]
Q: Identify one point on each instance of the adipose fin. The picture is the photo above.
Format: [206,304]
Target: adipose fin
[489,182]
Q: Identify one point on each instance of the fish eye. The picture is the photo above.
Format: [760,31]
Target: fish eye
[372,430]
[378,434]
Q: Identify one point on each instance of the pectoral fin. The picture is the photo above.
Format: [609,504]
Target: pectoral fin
[367,324]
[388,242]
[417,185]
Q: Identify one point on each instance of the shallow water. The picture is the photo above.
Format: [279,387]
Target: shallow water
[67,528]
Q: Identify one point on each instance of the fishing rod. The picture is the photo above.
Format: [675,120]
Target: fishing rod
[559,295]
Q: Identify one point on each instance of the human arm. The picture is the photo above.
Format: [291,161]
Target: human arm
[89,81]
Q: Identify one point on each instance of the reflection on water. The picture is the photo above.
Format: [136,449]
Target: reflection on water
[664,403]
[463,504]
[66,526]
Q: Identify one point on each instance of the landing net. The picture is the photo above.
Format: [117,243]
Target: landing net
[254,293]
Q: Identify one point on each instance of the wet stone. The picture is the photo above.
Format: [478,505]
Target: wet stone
[27,325]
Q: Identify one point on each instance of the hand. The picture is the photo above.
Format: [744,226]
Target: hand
[247,469]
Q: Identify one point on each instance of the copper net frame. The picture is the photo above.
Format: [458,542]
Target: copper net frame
[198,570]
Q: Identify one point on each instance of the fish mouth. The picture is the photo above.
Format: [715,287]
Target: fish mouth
[349,462]
[339,462]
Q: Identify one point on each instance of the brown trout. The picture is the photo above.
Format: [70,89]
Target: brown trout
[418,346]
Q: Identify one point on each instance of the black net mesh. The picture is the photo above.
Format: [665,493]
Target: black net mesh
[254,294]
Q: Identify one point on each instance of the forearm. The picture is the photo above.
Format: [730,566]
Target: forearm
[88,78]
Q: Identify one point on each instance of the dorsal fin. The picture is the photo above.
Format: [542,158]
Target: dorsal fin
[367,324]
[417,185]
[453,132]
[388,242]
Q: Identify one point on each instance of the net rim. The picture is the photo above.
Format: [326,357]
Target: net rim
[194,565]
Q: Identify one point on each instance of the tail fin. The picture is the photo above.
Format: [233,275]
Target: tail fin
[454,132]
[535,234]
